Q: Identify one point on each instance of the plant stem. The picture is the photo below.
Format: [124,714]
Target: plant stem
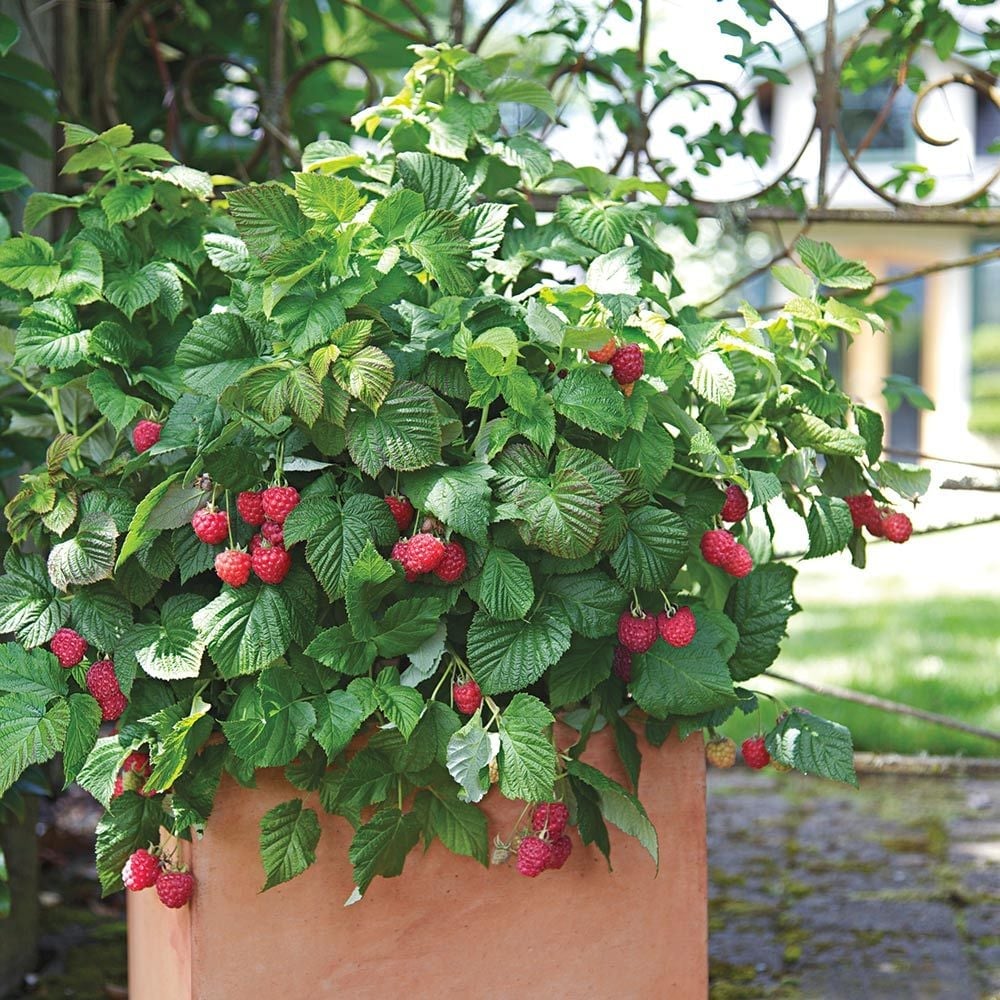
[695,472]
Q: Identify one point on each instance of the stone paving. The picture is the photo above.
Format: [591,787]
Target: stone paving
[818,892]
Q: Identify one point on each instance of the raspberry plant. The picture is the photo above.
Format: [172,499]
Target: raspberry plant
[400,339]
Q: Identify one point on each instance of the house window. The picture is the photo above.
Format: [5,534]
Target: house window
[904,359]
[859,112]
[987,124]
[984,417]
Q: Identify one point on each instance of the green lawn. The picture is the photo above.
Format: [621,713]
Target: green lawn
[902,632]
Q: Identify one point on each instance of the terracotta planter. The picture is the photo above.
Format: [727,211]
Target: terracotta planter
[447,927]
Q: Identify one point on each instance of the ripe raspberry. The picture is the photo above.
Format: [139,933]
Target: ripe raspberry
[250,506]
[271,564]
[561,849]
[274,533]
[119,788]
[533,856]
[468,697]
[627,364]
[233,567]
[720,751]
[716,546]
[875,522]
[736,506]
[210,525]
[452,564]
[175,888]
[145,434]
[621,663]
[68,647]
[897,528]
[137,762]
[604,354]
[862,508]
[402,511]
[141,871]
[550,816]
[102,683]
[678,628]
[636,634]
[755,753]
[739,562]
[279,501]
[423,554]
[256,541]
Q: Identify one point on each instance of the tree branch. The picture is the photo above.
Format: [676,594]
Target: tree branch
[383,21]
[491,22]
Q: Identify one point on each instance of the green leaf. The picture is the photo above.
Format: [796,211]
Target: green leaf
[124,202]
[289,834]
[120,408]
[338,718]
[506,591]
[50,337]
[35,672]
[11,178]
[393,215]
[381,845]
[592,602]
[99,613]
[402,705]
[133,821]
[29,605]
[760,605]
[228,253]
[30,734]
[216,351]
[83,279]
[690,680]
[81,733]
[829,525]
[246,629]
[325,198]
[266,216]
[41,205]
[27,262]
[426,657]
[795,280]
[88,557]
[404,435]
[338,648]
[813,745]
[563,517]
[580,670]
[511,655]
[591,400]
[435,239]
[460,826]
[806,431]
[616,273]
[459,496]
[832,269]
[406,624]
[653,549]
[468,753]
[618,806]
[520,91]
[179,745]
[908,481]
[442,184]
[527,761]
[650,450]
[131,291]
[98,773]
[367,375]
[9,34]
[713,379]
[269,724]
[176,647]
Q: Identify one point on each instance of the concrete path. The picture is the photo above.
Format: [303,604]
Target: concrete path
[818,892]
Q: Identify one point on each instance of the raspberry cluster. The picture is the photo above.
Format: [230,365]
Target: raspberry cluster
[549,846]
[132,775]
[881,522]
[426,553]
[145,869]
[638,630]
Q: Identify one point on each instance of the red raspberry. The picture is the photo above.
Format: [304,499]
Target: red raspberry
[604,354]
[141,871]
[119,787]
[279,501]
[402,511]
[468,697]
[250,506]
[862,508]
[256,541]
[211,525]
[755,753]
[739,562]
[561,849]
[533,856]
[398,549]
[68,647]
[550,816]
[716,546]
[736,506]
[452,564]
[274,533]
[423,554]
[175,888]
[102,683]
[627,364]
[233,567]
[875,522]
[677,628]
[720,751]
[145,434]
[897,528]
[636,634]
[137,762]
[271,564]
[621,663]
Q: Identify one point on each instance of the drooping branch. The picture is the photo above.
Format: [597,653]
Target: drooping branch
[491,22]
[384,22]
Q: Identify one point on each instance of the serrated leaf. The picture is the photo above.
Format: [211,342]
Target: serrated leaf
[908,481]
[35,672]
[367,375]
[393,215]
[585,665]
[338,648]
[326,198]
[460,826]
[228,253]
[562,517]
[468,753]
[125,201]
[402,705]
[99,613]
[29,605]
[459,496]
[509,656]
[795,280]
[338,718]
[30,733]
[289,834]
[269,724]
[131,291]
[442,184]
[83,278]
[381,845]
[813,745]
[760,605]
[829,525]
[27,262]
[650,450]
[266,216]
[179,744]
[527,761]
[436,241]
[406,624]
[50,337]
[133,821]
[120,408]
[216,351]
[81,733]
[506,590]
[425,658]
[86,558]
[522,91]
[713,379]
[653,549]
[591,400]
[592,602]
[806,431]
[832,269]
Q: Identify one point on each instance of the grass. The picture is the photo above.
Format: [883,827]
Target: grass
[924,632]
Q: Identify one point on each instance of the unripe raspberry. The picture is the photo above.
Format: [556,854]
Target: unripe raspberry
[551,817]
[736,505]
[897,528]
[755,753]
[716,546]
[603,354]
[720,751]
[423,554]
[279,501]
[533,856]
[636,634]
[250,507]
[68,646]
[145,435]
[468,697]
[210,525]
[402,512]
[627,364]
[677,628]
[452,564]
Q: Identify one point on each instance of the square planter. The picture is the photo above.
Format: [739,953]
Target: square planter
[447,926]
